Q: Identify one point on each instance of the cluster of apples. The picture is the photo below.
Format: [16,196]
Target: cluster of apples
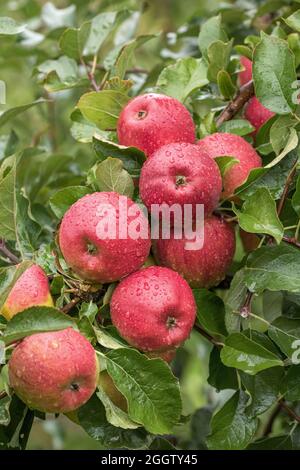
[153,308]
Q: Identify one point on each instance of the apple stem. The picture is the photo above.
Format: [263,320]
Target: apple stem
[246,92]
[70,305]
[208,336]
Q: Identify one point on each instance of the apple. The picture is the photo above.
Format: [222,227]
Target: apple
[152,120]
[254,111]
[153,309]
[166,356]
[181,173]
[54,372]
[93,248]
[250,241]
[203,267]
[223,144]
[32,288]
[108,386]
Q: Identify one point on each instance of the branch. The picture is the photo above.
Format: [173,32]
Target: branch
[289,411]
[245,310]
[269,426]
[7,253]
[246,92]
[291,241]
[3,395]
[208,336]
[286,189]
[70,305]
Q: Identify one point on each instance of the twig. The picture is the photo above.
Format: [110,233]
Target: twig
[91,73]
[245,310]
[133,70]
[70,305]
[208,336]
[286,189]
[244,95]
[6,252]
[291,241]
[289,411]
[269,426]
[3,395]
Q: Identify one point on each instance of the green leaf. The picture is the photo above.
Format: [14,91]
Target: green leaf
[291,144]
[247,355]
[92,418]
[237,126]
[60,74]
[234,301]
[106,340]
[296,198]
[273,74]
[226,85]
[73,40]
[183,77]
[210,311]
[132,158]
[293,21]
[4,411]
[259,215]
[115,415]
[225,163]
[8,26]
[218,56]
[200,428]
[211,31]
[272,443]
[285,332]
[290,385]
[8,278]
[110,175]
[150,388]
[36,320]
[124,59]
[232,428]
[263,388]
[221,377]
[280,132]
[63,199]
[13,112]
[102,108]
[274,268]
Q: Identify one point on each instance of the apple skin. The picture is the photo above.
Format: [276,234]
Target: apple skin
[32,288]
[54,372]
[250,241]
[223,144]
[153,309]
[107,384]
[166,356]
[181,173]
[113,258]
[254,111]
[204,267]
[152,120]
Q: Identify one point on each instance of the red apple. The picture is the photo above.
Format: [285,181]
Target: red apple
[150,121]
[32,288]
[181,173]
[231,145]
[153,309]
[245,75]
[203,267]
[54,372]
[91,241]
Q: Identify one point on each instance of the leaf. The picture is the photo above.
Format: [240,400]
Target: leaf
[280,132]
[36,320]
[290,385]
[58,17]
[8,26]
[8,199]
[92,418]
[200,428]
[237,126]
[220,376]
[150,388]
[293,21]
[132,158]
[234,300]
[124,58]
[4,411]
[73,40]
[247,355]
[232,428]
[291,144]
[285,332]
[211,31]
[259,215]
[110,175]
[273,74]
[225,163]
[8,278]
[183,77]
[106,340]
[296,198]
[115,415]
[210,311]
[102,108]
[13,112]
[226,85]
[218,56]
[272,443]
[263,388]
[274,268]
[63,199]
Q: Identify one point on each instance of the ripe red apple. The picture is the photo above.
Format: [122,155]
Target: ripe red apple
[254,111]
[92,244]
[32,288]
[203,267]
[181,173]
[153,309]
[231,145]
[54,372]
[152,120]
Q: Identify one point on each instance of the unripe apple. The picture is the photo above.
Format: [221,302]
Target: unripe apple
[54,372]
[181,173]
[32,288]
[203,267]
[223,144]
[152,120]
[153,309]
[107,384]
[91,241]
[254,111]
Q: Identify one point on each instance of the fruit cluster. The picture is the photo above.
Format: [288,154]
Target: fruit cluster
[152,308]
